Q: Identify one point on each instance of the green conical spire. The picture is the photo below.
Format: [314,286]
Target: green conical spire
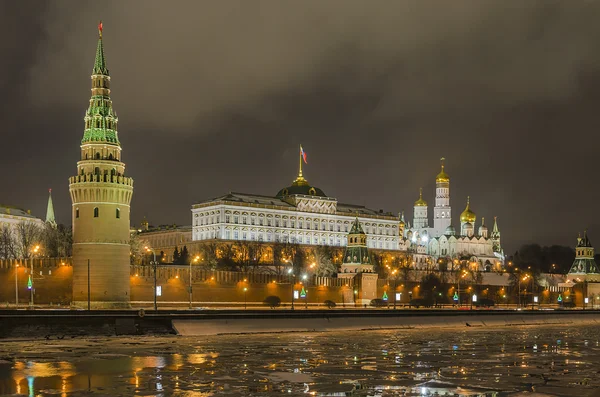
[50,210]
[100,119]
[100,62]
[356,227]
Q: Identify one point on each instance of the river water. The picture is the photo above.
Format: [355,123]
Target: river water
[527,361]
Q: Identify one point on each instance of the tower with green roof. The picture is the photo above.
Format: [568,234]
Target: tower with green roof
[356,265]
[584,266]
[50,219]
[101,196]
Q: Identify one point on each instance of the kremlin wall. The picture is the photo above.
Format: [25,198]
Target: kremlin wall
[53,281]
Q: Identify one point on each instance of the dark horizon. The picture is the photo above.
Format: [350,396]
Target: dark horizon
[215,98]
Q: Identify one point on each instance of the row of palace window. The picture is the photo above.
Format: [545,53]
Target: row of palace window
[292,224]
[97,213]
[283,238]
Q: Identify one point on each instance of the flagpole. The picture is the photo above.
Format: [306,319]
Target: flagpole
[300,158]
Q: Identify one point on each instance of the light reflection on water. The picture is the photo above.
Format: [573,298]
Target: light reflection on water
[494,362]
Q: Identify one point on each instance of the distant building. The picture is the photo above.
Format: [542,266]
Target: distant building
[299,213]
[166,238]
[584,266]
[11,216]
[443,241]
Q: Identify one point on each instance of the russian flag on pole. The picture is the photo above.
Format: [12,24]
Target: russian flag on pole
[303,154]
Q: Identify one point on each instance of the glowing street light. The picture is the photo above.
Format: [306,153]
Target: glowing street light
[148,249]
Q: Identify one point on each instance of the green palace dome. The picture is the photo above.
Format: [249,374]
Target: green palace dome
[301,186]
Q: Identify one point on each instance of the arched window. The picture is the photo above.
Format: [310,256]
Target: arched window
[118,213]
[95,212]
[98,155]
[76,212]
[110,156]
[97,171]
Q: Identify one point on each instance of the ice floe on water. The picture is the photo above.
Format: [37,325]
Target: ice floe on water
[547,361]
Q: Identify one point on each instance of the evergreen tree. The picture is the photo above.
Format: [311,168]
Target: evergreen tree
[176,256]
[184,258]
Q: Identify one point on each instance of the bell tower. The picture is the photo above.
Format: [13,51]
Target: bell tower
[101,194]
[441,211]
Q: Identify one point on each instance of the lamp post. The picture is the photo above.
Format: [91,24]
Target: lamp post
[89,289]
[524,279]
[35,251]
[196,259]
[245,290]
[463,275]
[291,273]
[304,277]
[16,285]
[519,292]
[395,284]
[154,263]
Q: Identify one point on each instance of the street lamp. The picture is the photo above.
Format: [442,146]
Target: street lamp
[395,282]
[304,277]
[463,275]
[148,249]
[245,290]
[196,259]
[291,272]
[35,251]
[16,285]
[524,279]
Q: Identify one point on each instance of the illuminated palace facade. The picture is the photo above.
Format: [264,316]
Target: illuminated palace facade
[299,214]
[442,240]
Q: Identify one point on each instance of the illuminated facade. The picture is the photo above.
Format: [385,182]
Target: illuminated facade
[12,216]
[429,244]
[584,266]
[300,213]
[101,195]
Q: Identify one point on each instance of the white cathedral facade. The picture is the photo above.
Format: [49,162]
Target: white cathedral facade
[481,249]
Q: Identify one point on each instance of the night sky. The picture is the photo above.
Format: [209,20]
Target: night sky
[215,97]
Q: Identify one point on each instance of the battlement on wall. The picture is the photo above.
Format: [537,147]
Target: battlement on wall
[168,272]
[103,178]
[37,263]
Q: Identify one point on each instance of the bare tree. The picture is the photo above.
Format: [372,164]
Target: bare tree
[137,249]
[226,255]
[210,256]
[27,234]
[8,246]
[323,261]
[255,251]
[57,241]
[242,255]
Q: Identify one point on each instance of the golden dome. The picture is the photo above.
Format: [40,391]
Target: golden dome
[468,215]
[442,176]
[420,202]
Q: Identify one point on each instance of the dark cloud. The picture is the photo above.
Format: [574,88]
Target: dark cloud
[214,97]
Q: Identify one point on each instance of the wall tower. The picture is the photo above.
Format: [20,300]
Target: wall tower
[50,219]
[101,195]
[420,220]
[441,211]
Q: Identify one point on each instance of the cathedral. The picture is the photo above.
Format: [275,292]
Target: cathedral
[442,242]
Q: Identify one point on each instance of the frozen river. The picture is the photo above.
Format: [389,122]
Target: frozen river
[528,361]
